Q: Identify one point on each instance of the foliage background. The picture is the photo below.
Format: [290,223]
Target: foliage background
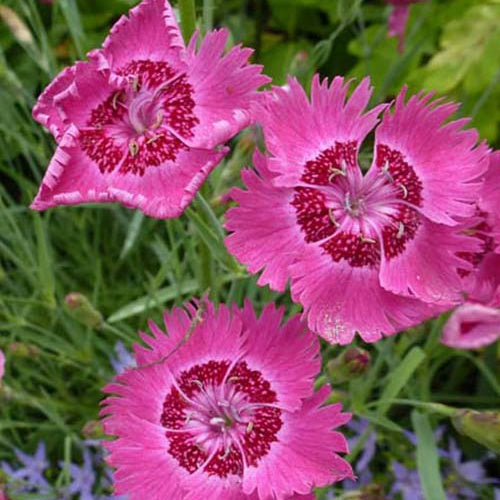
[132,267]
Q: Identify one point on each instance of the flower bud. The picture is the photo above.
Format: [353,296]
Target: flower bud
[93,430]
[482,426]
[23,350]
[82,310]
[348,365]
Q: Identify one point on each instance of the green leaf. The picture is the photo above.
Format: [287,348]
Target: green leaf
[133,232]
[427,458]
[399,377]
[161,296]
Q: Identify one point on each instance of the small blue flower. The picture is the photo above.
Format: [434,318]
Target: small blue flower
[32,472]
[123,358]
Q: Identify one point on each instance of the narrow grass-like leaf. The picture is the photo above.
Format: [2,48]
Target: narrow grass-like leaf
[399,377]
[133,232]
[163,295]
[427,458]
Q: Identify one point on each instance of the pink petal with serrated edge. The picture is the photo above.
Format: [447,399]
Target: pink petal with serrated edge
[437,152]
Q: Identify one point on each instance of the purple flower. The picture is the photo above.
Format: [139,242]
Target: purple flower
[406,482]
[361,468]
[32,474]
[83,478]
[123,358]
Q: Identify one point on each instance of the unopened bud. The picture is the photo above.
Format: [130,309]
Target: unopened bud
[23,350]
[16,25]
[82,310]
[93,430]
[350,364]
[482,426]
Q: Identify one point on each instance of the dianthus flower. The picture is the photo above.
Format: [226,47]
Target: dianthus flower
[477,323]
[374,252]
[143,121]
[399,18]
[222,407]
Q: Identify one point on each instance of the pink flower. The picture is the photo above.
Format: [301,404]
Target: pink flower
[373,253]
[222,407]
[142,123]
[472,326]
[2,365]
[482,284]
[399,18]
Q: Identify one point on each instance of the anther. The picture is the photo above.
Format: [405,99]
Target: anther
[226,453]
[401,230]
[116,97]
[197,382]
[154,138]
[334,173]
[135,83]
[385,171]
[233,379]
[158,121]
[405,191]
[332,217]
[366,240]
[133,148]
[250,427]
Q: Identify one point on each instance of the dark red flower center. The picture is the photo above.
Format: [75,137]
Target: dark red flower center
[355,217]
[144,123]
[220,417]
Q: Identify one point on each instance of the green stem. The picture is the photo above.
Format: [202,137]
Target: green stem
[208,15]
[188,18]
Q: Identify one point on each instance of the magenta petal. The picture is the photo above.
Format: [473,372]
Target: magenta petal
[224,88]
[150,32]
[260,240]
[45,111]
[472,326]
[288,355]
[305,455]
[297,130]
[162,192]
[433,149]
[490,198]
[88,89]
[483,285]
[428,268]
[340,300]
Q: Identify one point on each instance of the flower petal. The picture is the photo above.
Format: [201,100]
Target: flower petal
[340,300]
[297,131]
[428,267]
[287,356]
[162,192]
[150,32]
[45,111]
[437,152]
[225,86]
[472,326]
[305,455]
[265,233]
